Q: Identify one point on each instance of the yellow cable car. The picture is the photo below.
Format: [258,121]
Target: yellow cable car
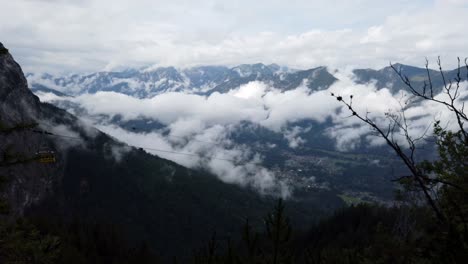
[45,156]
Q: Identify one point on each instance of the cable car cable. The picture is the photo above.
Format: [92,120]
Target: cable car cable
[152,149]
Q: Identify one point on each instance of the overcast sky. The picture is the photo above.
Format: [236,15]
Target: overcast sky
[94,35]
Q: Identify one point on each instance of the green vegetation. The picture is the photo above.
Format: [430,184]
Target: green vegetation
[22,243]
[350,200]
[357,234]
[19,127]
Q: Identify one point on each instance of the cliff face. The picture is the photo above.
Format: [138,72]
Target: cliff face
[22,115]
[28,181]
[17,103]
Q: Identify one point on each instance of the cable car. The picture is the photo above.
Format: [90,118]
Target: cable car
[45,156]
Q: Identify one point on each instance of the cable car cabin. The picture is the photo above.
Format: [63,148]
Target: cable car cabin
[45,156]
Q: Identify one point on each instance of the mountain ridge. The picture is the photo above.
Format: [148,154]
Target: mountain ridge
[202,80]
[208,79]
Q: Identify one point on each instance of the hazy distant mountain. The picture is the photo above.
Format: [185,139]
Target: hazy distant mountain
[387,77]
[199,80]
[204,80]
[36,88]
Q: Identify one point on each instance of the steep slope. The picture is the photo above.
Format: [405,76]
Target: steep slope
[19,110]
[38,88]
[99,180]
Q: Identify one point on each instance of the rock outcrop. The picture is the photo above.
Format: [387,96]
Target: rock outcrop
[28,181]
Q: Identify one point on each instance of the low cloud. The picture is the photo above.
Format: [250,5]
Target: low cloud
[293,138]
[107,35]
[198,127]
[64,136]
[211,150]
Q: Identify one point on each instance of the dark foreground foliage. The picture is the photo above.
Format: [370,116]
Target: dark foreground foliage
[359,234]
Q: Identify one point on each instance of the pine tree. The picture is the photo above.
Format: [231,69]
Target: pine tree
[278,231]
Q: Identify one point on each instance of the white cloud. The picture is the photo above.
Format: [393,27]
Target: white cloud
[96,35]
[374,35]
[189,114]
[293,137]
[231,163]
[199,126]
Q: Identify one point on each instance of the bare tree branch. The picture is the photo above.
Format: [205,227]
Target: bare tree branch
[408,160]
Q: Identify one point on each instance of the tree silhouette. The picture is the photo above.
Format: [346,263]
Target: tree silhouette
[443,183]
[278,231]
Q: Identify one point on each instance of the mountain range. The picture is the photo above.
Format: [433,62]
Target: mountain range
[202,80]
[365,172]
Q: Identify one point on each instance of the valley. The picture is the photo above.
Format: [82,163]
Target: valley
[301,154]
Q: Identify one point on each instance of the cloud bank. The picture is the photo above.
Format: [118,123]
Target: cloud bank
[94,35]
[199,127]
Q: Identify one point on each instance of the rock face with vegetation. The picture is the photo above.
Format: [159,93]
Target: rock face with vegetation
[28,183]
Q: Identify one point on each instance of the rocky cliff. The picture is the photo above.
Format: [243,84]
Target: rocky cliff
[20,111]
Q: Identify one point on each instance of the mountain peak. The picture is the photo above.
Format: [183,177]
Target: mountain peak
[257,69]
[15,96]
[3,50]
[404,68]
